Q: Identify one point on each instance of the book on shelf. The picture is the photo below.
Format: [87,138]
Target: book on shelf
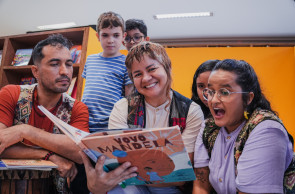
[74,92]
[76,53]
[71,87]
[1,51]
[159,154]
[26,164]
[22,57]
[27,81]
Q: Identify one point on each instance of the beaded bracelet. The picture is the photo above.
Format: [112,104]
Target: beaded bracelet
[48,155]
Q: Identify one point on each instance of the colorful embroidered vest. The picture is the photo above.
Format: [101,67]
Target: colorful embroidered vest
[211,131]
[25,104]
[178,111]
[22,114]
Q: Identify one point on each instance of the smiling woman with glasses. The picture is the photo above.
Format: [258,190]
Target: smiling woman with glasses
[244,147]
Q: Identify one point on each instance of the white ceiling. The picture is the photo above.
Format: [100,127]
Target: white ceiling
[231,18]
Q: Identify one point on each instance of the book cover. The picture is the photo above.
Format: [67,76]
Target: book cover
[74,92]
[27,81]
[1,51]
[159,154]
[28,164]
[3,166]
[22,57]
[70,89]
[76,53]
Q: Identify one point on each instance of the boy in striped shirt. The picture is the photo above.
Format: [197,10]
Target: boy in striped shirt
[106,76]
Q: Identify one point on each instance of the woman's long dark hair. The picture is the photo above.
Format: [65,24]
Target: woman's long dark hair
[204,67]
[248,80]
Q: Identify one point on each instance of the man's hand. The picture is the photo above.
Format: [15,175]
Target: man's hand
[58,143]
[99,181]
[10,136]
[66,168]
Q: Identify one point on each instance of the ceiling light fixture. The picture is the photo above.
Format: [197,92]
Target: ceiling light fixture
[183,15]
[57,26]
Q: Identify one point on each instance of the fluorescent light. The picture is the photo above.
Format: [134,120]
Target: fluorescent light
[57,26]
[182,15]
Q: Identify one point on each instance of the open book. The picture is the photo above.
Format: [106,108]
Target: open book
[159,154]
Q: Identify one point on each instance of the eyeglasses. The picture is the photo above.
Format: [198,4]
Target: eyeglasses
[135,39]
[222,94]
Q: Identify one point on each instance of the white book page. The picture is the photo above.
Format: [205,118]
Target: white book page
[75,134]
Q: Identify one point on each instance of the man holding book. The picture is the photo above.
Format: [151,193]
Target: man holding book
[25,132]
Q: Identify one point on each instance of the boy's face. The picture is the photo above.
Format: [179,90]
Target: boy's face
[111,40]
[135,37]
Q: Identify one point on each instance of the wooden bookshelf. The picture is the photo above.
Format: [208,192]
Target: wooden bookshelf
[2,40]
[9,74]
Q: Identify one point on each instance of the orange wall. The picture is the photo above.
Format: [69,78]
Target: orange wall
[93,47]
[275,67]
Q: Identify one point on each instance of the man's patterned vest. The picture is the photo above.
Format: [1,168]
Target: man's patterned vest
[211,131]
[22,114]
[25,104]
[178,111]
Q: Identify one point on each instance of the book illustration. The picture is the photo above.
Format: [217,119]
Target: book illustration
[76,53]
[27,81]
[28,164]
[1,51]
[22,57]
[154,168]
[159,154]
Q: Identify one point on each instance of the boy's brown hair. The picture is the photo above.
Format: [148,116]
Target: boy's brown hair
[109,19]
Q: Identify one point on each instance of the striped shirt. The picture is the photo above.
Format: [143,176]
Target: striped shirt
[106,79]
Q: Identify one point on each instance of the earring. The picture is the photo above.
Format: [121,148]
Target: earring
[246,115]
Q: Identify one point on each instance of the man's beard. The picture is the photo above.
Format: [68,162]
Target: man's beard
[56,90]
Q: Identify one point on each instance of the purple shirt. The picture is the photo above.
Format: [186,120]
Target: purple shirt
[266,155]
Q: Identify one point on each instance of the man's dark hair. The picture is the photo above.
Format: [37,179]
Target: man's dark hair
[132,24]
[57,40]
